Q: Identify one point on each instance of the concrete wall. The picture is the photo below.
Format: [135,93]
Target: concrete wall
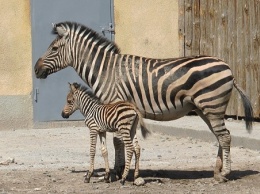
[147,28]
[16,65]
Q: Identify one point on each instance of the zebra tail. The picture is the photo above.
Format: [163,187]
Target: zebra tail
[248,110]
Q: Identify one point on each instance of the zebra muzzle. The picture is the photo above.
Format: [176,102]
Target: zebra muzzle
[64,115]
[40,70]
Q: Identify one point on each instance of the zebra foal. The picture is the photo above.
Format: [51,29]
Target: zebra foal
[101,118]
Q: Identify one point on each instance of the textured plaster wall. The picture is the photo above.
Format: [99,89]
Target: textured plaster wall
[16,112]
[147,28]
[16,65]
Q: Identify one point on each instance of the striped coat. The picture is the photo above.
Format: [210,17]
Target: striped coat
[162,89]
[101,118]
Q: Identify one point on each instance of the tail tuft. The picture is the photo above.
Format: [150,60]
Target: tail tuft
[144,130]
[248,110]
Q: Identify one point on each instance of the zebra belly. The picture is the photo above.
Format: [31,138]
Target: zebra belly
[172,113]
[110,130]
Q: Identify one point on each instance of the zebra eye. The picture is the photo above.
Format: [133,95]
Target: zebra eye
[54,48]
[69,101]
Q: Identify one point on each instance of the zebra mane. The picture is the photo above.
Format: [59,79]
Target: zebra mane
[101,40]
[87,91]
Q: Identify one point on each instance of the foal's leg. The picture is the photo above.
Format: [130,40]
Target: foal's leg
[102,137]
[136,147]
[93,142]
[129,152]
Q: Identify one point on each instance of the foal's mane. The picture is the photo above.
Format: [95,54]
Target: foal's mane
[87,91]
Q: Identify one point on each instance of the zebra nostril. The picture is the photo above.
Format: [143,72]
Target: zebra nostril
[39,69]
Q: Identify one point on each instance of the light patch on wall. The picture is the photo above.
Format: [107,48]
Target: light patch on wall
[150,31]
[15,48]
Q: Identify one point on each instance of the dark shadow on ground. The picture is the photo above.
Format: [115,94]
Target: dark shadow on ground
[151,175]
[191,174]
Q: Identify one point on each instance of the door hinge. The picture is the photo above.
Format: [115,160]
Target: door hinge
[36,93]
[109,28]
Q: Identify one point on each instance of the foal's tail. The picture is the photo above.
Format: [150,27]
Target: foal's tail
[145,132]
[248,110]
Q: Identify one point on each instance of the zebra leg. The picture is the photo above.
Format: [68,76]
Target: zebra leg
[219,165]
[223,163]
[93,142]
[216,124]
[102,137]
[129,153]
[119,154]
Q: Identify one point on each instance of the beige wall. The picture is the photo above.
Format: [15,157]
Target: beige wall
[16,65]
[147,28]
[15,48]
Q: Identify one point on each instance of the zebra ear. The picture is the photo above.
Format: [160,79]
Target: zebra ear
[61,30]
[72,87]
[76,85]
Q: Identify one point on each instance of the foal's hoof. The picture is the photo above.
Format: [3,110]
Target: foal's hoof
[122,181]
[87,177]
[86,180]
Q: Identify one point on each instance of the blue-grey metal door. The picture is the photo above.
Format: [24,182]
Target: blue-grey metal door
[49,95]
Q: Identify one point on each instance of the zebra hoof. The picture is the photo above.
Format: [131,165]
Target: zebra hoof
[220,179]
[119,172]
[106,178]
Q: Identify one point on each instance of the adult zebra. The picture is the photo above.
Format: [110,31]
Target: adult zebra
[162,89]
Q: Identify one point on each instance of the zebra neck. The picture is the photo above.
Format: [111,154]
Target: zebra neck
[88,104]
[97,70]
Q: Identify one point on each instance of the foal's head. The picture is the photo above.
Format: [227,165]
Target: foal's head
[72,103]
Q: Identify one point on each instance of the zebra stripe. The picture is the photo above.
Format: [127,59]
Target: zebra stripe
[101,118]
[162,89]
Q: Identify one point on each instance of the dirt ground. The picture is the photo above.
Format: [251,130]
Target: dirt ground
[55,161]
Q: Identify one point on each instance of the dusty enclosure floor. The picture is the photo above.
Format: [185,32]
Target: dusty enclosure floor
[55,161]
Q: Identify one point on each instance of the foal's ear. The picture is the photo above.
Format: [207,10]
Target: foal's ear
[72,87]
